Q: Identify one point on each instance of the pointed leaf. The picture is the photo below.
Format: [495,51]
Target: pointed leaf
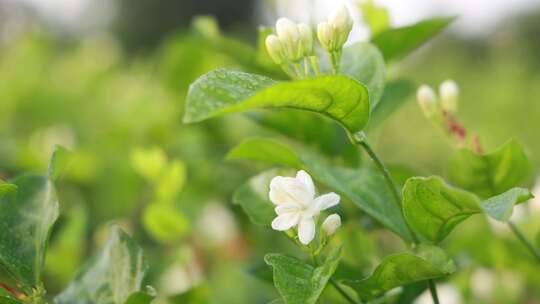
[364,187]
[223,91]
[58,163]
[29,208]
[111,276]
[397,42]
[500,207]
[433,208]
[427,262]
[140,297]
[492,173]
[298,282]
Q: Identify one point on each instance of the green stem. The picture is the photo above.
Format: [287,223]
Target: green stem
[524,240]
[343,292]
[433,291]
[360,139]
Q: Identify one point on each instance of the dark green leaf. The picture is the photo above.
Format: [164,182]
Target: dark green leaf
[365,63]
[396,93]
[397,42]
[427,262]
[29,209]
[298,282]
[489,174]
[222,91]
[364,187]
[500,207]
[111,276]
[433,208]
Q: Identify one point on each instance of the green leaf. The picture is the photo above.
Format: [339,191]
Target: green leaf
[500,207]
[489,174]
[298,282]
[29,209]
[397,42]
[377,17]
[111,276]
[365,63]
[396,93]
[426,262]
[252,196]
[140,297]
[262,149]
[223,91]
[58,163]
[164,222]
[67,248]
[6,299]
[364,187]
[433,208]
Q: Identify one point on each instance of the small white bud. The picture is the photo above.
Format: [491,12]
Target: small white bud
[306,39]
[449,93]
[427,99]
[275,49]
[331,224]
[287,31]
[341,20]
[324,33]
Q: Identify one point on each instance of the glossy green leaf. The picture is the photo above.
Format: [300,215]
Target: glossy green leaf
[500,207]
[29,209]
[252,196]
[492,173]
[365,63]
[396,93]
[111,276]
[164,222]
[364,187]
[298,282]
[223,91]
[433,208]
[426,262]
[397,42]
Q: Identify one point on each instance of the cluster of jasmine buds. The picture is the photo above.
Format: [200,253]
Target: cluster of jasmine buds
[442,109]
[333,33]
[444,104]
[292,47]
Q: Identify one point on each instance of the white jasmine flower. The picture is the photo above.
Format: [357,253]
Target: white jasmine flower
[427,100]
[449,93]
[331,224]
[289,35]
[448,294]
[296,204]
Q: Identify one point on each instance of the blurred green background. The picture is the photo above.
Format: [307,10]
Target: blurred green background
[110,87]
